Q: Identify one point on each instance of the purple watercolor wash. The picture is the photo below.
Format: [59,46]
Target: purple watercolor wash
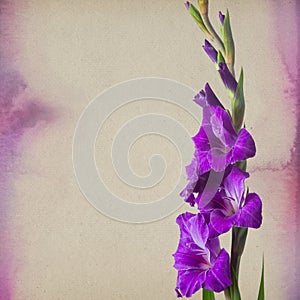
[18,113]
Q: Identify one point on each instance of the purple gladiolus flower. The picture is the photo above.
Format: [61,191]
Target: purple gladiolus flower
[211,51]
[197,182]
[221,17]
[199,260]
[230,208]
[218,144]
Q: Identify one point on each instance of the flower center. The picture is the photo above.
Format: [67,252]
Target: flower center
[230,207]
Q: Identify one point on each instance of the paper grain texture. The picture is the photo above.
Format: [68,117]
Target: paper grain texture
[58,246]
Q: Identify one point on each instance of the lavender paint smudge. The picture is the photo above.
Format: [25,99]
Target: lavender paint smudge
[18,114]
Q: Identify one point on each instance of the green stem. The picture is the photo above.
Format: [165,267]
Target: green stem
[215,36]
[239,236]
[231,68]
[227,294]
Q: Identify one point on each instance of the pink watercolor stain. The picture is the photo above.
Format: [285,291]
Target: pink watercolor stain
[19,113]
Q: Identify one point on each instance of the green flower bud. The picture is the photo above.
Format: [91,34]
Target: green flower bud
[203,7]
[228,41]
[238,104]
[198,19]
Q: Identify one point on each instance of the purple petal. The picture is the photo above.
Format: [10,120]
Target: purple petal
[221,17]
[192,176]
[189,282]
[197,187]
[227,78]
[202,148]
[244,147]
[222,126]
[190,260]
[193,228]
[217,159]
[201,183]
[204,198]
[251,212]
[234,183]
[213,245]
[212,234]
[220,222]
[211,51]
[185,236]
[207,97]
[218,277]
[199,230]
[200,98]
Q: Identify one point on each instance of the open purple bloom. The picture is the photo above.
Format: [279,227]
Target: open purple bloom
[199,260]
[230,208]
[218,144]
[211,51]
[197,182]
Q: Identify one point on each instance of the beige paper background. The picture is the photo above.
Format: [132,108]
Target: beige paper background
[70,51]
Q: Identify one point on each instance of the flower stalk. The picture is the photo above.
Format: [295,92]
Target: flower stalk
[222,148]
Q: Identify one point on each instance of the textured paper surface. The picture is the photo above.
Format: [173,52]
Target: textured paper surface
[55,244]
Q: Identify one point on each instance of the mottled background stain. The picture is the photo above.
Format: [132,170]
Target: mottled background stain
[20,113]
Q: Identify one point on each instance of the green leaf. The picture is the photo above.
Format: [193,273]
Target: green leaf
[228,40]
[208,295]
[234,289]
[238,105]
[261,293]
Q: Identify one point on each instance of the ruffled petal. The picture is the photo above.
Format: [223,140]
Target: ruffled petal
[213,244]
[190,261]
[222,127]
[189,282]
[199,230]
[251,212]
[244,147]
[218,277]
[234,183]
[220,222]
[202,148]
[217,159]
[192,176]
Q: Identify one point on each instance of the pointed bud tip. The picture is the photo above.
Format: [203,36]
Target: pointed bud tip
[221,17]
[187,5]
[203,7]
[206,43]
